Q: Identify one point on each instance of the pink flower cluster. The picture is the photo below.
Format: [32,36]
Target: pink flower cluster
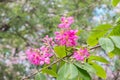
[67,38]
[66,22]
[38,57]
[81,54]
[48,41]
[41,56]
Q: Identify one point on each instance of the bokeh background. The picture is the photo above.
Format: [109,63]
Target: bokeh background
[23,23]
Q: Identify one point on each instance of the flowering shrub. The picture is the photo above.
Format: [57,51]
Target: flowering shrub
[65,37]
[77,61]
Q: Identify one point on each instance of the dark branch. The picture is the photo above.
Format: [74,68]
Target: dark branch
[95,47]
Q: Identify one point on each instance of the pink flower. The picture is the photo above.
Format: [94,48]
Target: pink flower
[66,22]
[81,54]
[33,56]
[48,41]
[47,60]
[46,51]
[39,56]
[67,38]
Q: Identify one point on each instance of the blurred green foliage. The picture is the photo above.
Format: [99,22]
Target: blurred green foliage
[24,22]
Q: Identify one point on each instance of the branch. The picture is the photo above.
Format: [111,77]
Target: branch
[53,64]
[95,47]
[117,75]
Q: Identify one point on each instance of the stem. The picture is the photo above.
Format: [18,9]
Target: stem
[117,75]
[95,47]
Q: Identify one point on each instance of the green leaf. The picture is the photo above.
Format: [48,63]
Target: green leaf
[61,72]
[54,67]
[40,76]
[76,78]
[116,40]
[115,2]
[115,31]
[72,71]
[96,33]
[50,72]
[98,58]
[118,21]
[67,71]
[84,74]
[85,66]
[60,51]
[111,54]
[106,44]
[60,77]
[100,71]
[116,51]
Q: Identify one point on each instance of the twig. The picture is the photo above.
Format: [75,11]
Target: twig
[54,63]
[25,40]
[117,75]
[95,47]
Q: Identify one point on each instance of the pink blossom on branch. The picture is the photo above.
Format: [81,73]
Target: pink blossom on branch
[81,54]
[42,55]
[67,38]
[38,56]
[66,22]
[48,41]
[33,55]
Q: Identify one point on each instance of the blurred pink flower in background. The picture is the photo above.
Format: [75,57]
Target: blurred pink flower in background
[66,22]
[67,38]
[81,54]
